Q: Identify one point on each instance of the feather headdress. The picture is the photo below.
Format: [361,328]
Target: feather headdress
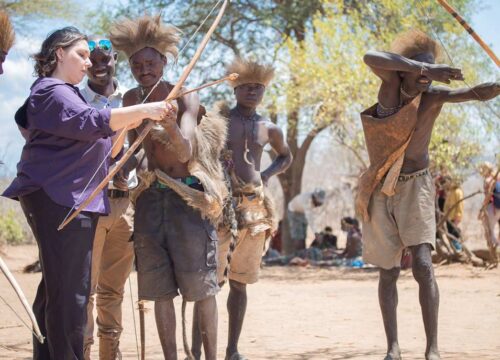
[415,42]
[250,72]
[130,36]
[6,32]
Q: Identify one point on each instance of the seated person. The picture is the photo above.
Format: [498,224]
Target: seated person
[354,244]
[325,239]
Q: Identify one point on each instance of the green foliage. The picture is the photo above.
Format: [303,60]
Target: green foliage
[327,72]
[11,231]
[45,8]
[317,47]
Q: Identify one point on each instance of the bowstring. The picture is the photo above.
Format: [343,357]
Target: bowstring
[175,63]
[19,317]
[196,31]
[436,35]
[108,154]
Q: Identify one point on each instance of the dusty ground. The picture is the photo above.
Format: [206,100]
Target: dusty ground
[306,313]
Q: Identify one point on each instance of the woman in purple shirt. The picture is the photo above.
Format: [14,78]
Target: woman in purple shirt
[66,141]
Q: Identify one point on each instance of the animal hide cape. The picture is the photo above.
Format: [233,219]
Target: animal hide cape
[255,214]
[386,141]
[209,140]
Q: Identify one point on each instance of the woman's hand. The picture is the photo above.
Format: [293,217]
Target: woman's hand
[159,111]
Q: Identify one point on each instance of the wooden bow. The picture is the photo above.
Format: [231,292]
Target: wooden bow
[172,95]
[36,329]
[467,27]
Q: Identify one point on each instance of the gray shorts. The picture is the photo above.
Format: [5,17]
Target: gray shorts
[175,248]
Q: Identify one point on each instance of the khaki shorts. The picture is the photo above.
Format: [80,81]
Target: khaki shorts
[246,257]
[405,219]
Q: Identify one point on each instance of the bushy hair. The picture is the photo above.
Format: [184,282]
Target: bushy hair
[250,72]
[414,42]
[7,35]
[130,36]
[46,58]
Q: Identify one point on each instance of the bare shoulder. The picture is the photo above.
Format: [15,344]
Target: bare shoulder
[131,97]
[270,126]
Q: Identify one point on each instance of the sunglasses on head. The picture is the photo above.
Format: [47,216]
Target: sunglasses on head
[103,44]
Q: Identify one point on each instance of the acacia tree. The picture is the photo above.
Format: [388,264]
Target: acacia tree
[46,8]
[330,77]
[317,47]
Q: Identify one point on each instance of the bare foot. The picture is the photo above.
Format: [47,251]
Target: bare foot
[235,356]
[394,353]
[432,355]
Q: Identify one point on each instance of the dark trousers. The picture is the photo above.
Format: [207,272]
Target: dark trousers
[60,304]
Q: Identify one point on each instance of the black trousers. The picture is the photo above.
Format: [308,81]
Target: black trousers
[60,304]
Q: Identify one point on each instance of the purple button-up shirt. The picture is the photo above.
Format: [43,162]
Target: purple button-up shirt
[66,141]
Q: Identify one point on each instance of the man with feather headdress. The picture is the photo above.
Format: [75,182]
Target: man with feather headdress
[242,240]
[180,197]
[396,193]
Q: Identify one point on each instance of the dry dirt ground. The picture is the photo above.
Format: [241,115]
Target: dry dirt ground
[309,313]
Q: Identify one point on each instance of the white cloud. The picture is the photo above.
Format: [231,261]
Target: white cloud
[14,88]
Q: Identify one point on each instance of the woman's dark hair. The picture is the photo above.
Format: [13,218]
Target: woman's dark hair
[46,59]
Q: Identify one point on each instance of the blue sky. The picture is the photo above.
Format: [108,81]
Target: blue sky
[15,83]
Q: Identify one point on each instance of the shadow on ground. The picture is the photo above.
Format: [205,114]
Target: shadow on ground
[339,354]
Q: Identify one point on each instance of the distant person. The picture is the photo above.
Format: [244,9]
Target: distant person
[440,191]
[300,215]
[492,203]
[325,239]
[455,206]
[354,243]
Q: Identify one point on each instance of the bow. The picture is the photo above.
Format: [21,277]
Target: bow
[472,33]
[36,330]
[172,95]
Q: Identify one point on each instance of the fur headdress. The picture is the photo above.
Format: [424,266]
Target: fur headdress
[250,72]
[130,36]
[6,32]
[415,42]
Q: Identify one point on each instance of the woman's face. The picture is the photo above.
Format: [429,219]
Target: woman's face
[73,62]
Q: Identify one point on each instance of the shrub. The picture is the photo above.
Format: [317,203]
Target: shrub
[11,230]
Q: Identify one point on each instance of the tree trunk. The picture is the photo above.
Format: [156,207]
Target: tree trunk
[291,180]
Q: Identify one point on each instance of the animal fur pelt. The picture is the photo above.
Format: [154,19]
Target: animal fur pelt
[7,35]
[209,140]
[130,36]
[386,141]
[250,72]
[256,216]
